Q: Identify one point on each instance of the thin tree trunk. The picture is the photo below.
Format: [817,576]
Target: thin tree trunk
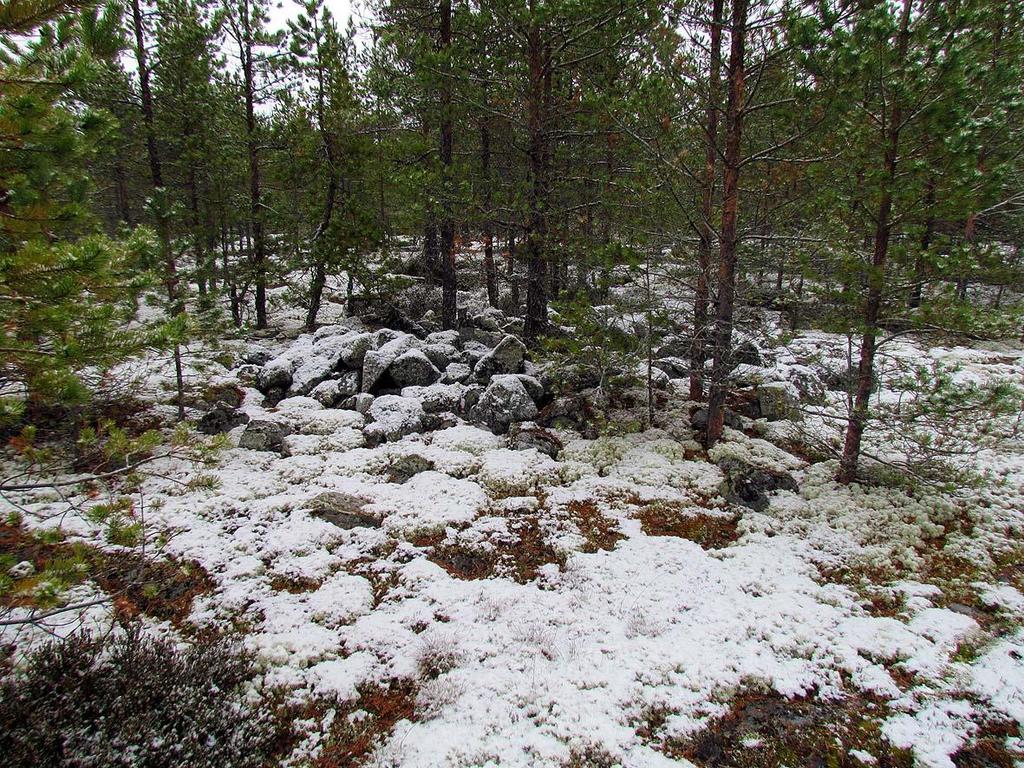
[926,243]
[319,278]
[876,280]
[536,319]
[722,365]
[490,272]
[698,346]
[259,247]
[176,306]
[449,285]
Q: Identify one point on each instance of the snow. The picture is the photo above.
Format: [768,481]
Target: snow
[577,655]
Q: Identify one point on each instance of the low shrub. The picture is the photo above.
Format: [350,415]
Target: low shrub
[135,702]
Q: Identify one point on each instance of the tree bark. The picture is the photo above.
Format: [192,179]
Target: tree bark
[449,285]
[259,249]
[175,304]
[876,278]
[490,272]
[536,319]
[698,347]
[729,241]
[926,243]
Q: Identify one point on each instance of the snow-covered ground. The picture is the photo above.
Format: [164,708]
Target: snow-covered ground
[572,640]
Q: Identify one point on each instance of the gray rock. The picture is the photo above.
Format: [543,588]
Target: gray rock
[333,391]
[506,357]
[699,419]
[221,418]
[354,349]
[343,510]
[405,467]
[413,368]
[275,375]
[393,417]
[504,401]
[775,402]
[749,486]
[533,386]
[456,373]
[525,438]
[262,435]
[21,570]
[360,402]
[377,361]
[441,355]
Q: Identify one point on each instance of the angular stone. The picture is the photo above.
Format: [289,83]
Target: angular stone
[504,401]
[413,369]
[506,357]
[262,435]
[221,418]
[405,467]
[343,510]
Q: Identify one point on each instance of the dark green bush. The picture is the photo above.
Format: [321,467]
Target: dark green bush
[134,702]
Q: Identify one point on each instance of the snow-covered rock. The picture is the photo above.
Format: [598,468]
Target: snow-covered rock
[506,357]
[393,417]
[413,368]
[504,401]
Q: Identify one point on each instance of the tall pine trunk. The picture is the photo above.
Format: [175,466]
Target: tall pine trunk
[698,347]
[449,285]
[175,303]
[722,365]
[490,272]
[536,319]
[876,277]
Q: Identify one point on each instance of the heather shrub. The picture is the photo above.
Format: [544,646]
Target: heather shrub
[134,702]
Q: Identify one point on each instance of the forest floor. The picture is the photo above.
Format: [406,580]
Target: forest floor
[608,607]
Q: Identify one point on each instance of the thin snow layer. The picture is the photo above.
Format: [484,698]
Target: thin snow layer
[579,656]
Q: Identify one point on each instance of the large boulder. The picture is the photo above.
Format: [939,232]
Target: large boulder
[260,435]
[750,486]
[353,349]
[506,357]
[503,402]
[359,402]
[343,510]
[699,419]
[776,401]
[406,467]
[523,438]
[333,391]
[377,361]
[275,377]
[412,368]
[221,418]
[393,417]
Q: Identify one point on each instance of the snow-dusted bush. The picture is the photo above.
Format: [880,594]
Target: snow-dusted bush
[134,701]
